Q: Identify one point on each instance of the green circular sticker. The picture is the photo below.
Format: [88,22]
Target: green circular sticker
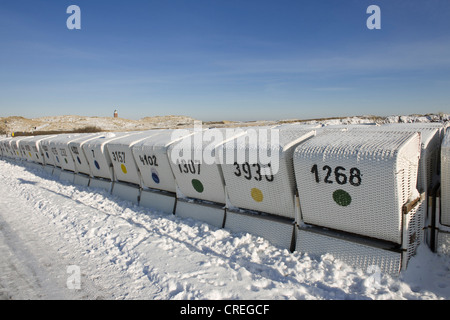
[198,186]
[342,197]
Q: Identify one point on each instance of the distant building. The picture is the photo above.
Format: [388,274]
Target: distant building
[116,114]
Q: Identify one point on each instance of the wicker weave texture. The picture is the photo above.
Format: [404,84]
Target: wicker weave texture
[430,148]
[126,192]
[355,254]
[100,162]
[213,215]
[6,150]
[151,156]
[25,149]
[445,180]
[357,181]
[64,157]
[413,229]
[120,153]
[2,151]
[36,150]
[157,201]
[61,142]
[12,147]
[443,243]
[296,126]
[2,154]
[80,160]
[49,151]
[81,179]
[197,173]
[247,185]
[15,148]
[279,233]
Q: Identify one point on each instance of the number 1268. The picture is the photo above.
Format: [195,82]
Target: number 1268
[338,175]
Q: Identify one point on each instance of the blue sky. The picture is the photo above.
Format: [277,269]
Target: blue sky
[224,59]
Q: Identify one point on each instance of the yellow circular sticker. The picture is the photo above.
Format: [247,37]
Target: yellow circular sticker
[257,195]
[124,169]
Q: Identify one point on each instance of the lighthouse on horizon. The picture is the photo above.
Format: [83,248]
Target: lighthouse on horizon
[116,114]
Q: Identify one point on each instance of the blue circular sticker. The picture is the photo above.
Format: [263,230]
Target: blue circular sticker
[155,176]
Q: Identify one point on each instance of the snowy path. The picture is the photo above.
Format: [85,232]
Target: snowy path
[127,252]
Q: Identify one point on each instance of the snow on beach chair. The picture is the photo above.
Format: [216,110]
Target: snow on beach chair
[19,148]
[358,197]
[6,148]
[439,232]
[297,126]
[31,147]
[260,182]
[11,148]
[3,151]
[17,153]
[35,149]
[80,162]
[1,146]
[127,179]
[64,159]
[158,182]
[201,188]
[429,162]
[441,221]
[25,149]
[431,137]
[100,163]
[50,153]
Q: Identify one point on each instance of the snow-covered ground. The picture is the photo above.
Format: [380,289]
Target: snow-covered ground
[54,234]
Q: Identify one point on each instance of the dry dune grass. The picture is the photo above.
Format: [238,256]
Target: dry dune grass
[84,124]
